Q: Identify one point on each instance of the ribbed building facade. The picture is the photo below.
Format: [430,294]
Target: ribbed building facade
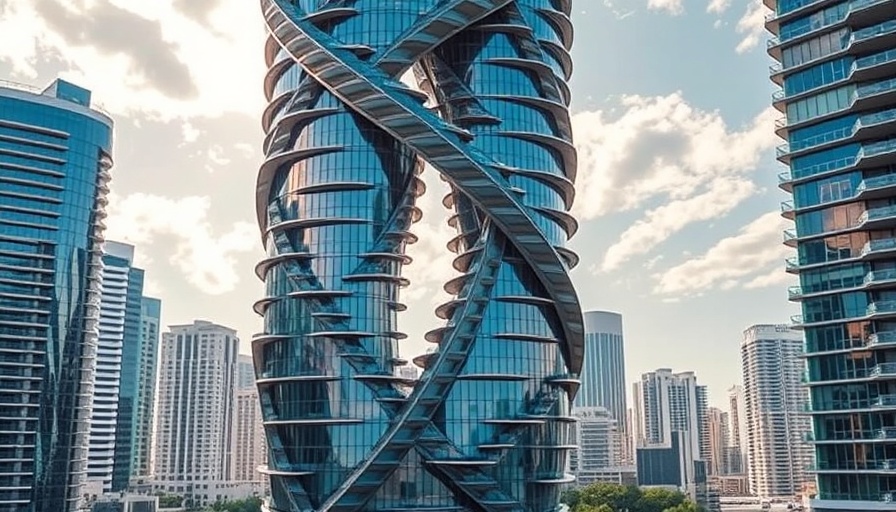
[55,161]
[603,375]
[838,78]
[195,408]
[487,424]
[147,374]
[777,424]
[118,354]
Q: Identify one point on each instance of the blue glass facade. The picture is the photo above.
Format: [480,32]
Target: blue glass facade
[129,387]
[54,169]
[837,69]
[486,427]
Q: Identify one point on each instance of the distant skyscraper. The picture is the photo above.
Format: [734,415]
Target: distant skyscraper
[668,404]
[248,437]
[835,66]
[776,422]
[195,406]
[245,372]
[147,373]
[603,373]
[55,158]
[737,417]
[595,431]
[115,398]
[718,430]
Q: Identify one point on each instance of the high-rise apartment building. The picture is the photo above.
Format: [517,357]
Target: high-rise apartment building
[835,66]
[55,161]
[671,405]
[147,373]
[718,441]
[195,407]
[248,437]
[777,425]
[603,374]
[595,433]
[487,424]
[118,355]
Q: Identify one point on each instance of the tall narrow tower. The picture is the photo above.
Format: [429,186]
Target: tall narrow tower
[118,361]
[486,426]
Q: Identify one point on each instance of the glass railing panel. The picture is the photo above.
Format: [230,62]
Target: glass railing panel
[823,167]
[884,306]
[875,88]
[874,119]
[874,60]
[883,244]
[877,276]
[877,213]
[886,146]
[869,32]
[882,338]
[822,138]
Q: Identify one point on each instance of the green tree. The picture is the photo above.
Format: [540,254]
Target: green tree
[658,499]
[687,506]
[599,508]
[615,496]
[571,497]
[170,501]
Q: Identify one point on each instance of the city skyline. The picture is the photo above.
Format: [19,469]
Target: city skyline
[203,243]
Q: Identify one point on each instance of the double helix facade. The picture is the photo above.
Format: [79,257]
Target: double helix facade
[487,425]
[837,72]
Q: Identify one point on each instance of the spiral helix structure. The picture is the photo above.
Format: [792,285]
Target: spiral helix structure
[486,426]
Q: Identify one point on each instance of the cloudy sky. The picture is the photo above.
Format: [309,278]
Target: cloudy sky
[677,192]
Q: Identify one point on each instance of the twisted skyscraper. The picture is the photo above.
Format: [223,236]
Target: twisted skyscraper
[486,427]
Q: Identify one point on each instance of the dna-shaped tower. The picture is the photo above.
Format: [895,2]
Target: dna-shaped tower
[487,425]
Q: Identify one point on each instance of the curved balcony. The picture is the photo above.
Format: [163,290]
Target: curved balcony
[881,435]
[869,126]
[866,97]
[875,218]
[872,279]
[864,41]
[871,67]
[869,155]
[875,310]
[860,12]
[881,371]
[853,406]
[886,466]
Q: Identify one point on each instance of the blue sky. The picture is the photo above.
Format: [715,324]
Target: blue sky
[677,192]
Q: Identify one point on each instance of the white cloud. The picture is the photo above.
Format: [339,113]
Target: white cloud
[181,229]
[132,71]
[658,224]
[752,26]
[718,6]
[431,267]
[674,7]
[756,248]
[661,150]
[774,277]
